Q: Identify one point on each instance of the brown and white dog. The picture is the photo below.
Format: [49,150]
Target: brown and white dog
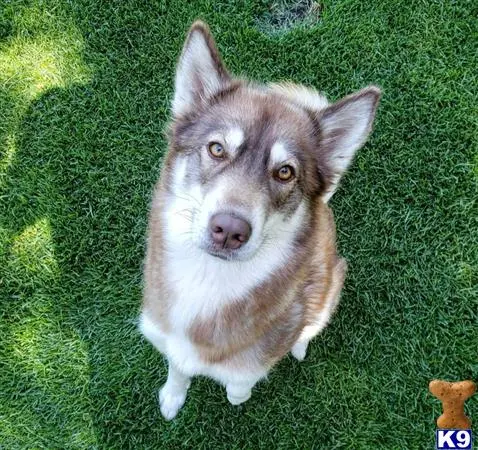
[241,265]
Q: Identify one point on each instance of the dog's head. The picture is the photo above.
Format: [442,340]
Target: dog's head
[248,162]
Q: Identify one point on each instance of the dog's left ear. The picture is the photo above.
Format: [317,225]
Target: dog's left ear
[344,128]
[200,72]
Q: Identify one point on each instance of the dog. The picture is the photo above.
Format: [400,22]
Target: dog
[241,264]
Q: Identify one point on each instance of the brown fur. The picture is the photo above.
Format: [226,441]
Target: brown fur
[157,293]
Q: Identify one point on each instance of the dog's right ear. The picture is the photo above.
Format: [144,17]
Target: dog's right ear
[200,72]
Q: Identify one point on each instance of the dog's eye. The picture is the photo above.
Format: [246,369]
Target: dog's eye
[216,150]
[285,173]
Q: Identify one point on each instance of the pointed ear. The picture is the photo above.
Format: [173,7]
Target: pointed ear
[344,128]
[200,72]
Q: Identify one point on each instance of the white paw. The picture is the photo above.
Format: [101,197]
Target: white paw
[171,401]
[233,400]
[299,350]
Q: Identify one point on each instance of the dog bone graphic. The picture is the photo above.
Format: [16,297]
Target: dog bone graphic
[453,397]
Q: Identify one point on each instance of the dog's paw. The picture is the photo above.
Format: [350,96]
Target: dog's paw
[170,401]
[299,350]
[237,400]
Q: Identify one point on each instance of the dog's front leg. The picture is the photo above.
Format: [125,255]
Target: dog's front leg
[173,394]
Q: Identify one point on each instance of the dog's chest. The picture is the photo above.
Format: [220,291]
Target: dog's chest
[202,287]
[199,295]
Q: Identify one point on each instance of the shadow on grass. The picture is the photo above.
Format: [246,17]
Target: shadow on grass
[72,241]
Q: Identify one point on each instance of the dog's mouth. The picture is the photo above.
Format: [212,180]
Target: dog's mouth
[224,254]
[244,253]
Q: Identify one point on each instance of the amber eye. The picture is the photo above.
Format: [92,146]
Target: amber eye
[285,173]
[216,150]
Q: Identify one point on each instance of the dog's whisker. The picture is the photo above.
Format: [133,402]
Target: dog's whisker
[187,197]
[186,214]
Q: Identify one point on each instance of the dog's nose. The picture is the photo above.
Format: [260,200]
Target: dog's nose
[229,231]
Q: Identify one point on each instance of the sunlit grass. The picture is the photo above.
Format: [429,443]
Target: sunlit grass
[44,52]
[30,66]
[32,251]
[40,347]
[7,154]
[33,63]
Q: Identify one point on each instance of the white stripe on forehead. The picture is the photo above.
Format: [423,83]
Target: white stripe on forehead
[234,138]
[279,153]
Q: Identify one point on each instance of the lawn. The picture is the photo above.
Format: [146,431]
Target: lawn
[85,88]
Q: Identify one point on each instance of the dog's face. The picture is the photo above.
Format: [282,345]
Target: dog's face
[249,162]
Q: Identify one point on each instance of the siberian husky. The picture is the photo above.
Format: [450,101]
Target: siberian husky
[241,264]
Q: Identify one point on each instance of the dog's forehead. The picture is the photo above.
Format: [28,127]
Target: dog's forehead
[258,116]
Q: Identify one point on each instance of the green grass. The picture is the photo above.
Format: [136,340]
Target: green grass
[85,88]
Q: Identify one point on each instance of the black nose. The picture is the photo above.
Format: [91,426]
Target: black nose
[229,231]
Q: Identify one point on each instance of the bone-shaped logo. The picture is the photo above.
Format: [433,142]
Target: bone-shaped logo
[453,397]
